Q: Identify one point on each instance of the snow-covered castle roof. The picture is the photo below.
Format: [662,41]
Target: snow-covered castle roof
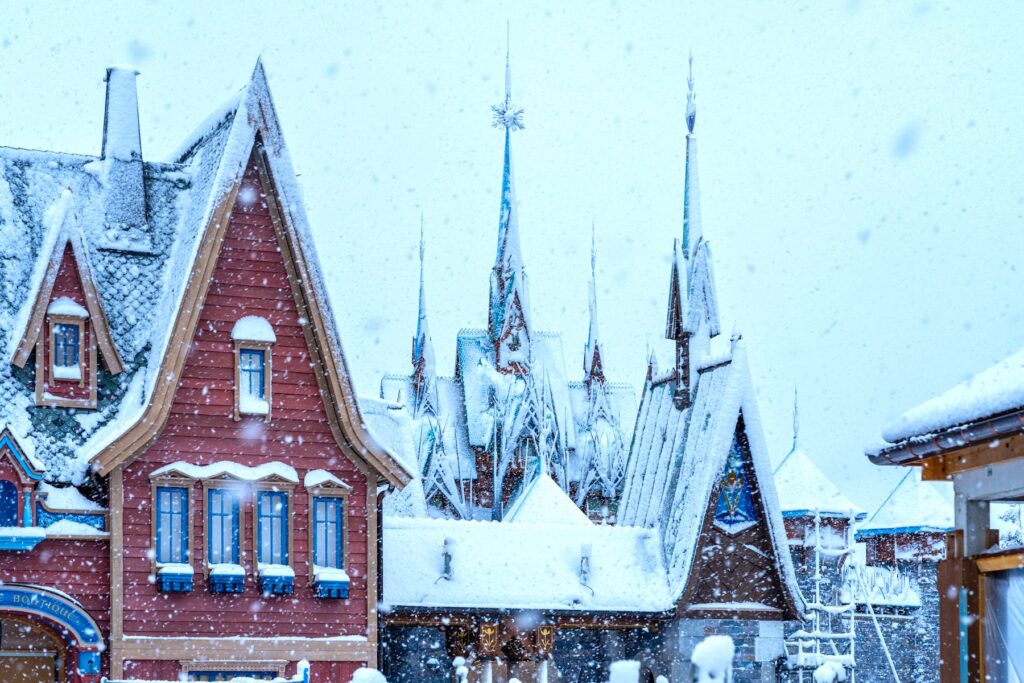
[912,506]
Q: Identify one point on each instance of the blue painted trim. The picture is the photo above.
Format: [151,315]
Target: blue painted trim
[46,517]
[7,440]
[65,344]
[26,509]
[903,530]
[790,514]
[252,364]
[43,602]
[19,542]
[215,675]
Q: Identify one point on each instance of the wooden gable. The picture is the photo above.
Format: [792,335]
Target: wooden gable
[735,562]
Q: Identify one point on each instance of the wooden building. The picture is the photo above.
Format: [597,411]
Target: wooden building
[187,488]
[973,435]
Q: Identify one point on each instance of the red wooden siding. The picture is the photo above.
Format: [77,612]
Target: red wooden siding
[249,279]
[68,283]
[79,568]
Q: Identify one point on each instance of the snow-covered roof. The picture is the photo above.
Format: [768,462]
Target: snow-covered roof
[132,286]
[995,390]
[677,457]
[502,565]
[803,489]
[912,506]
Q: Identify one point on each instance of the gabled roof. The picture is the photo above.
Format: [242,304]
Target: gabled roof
[252,125]
[62,226]
[544,502]
[677,457]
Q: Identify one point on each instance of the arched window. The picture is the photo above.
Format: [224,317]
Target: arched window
[8,503]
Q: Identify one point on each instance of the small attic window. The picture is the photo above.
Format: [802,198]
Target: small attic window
[253,337]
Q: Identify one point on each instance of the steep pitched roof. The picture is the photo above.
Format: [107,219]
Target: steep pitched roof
[253,121]
[544,502]
[678,456]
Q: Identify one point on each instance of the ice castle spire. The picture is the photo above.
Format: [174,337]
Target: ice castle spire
[593,366]
[424,376]
[692,229]
[509,311]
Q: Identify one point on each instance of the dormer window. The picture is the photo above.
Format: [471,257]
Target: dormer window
[253,337]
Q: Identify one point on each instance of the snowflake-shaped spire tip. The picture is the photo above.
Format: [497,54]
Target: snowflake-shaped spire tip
[507,116]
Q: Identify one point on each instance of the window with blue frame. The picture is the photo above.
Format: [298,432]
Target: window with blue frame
[327,529]
[171,525]
[252,373]
[222,527]
[8,503]
[272,526]
[65,345]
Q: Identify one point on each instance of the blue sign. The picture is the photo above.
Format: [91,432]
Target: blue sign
[43,603]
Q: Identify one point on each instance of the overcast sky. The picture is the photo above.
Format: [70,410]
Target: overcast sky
[860,170]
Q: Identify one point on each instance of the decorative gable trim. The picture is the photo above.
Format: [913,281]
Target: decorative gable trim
[9,447]
[256,122]
[31,334]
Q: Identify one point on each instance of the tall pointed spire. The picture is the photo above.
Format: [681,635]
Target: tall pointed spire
[509,311]
[423,366]
[692,229]
[593,366]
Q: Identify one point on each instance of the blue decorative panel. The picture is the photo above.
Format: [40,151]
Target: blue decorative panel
[331,589]
[89,663]
[45,518]
[174,583]
[227,583]
[735,509]
[277,585]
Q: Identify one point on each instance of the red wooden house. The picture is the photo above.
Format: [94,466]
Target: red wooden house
[186,485]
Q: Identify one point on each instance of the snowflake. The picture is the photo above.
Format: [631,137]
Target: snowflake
[507,116]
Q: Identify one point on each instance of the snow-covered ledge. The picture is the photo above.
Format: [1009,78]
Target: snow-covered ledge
[253,328]
[276,579]
[174,577]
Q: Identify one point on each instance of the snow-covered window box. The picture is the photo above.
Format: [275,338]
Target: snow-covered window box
[174,577]
[276,579]
[330,583]
[227,578]
[253,337]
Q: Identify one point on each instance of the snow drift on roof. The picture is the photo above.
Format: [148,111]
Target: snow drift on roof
[914,505]
[992,391]
[804,488]
[544,502]
[523,566]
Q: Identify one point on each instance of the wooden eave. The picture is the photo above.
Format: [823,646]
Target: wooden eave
[966,440]
[98,318]
[328,363]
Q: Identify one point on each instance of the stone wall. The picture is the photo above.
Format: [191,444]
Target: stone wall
[758,647]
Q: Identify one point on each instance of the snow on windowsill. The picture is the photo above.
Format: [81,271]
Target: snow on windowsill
[253,328]
[227,569]
[23,531]
[329,574]
[176,568]
[233,469]
[316,478]
[276,570]
[250,405]
[67,306]
[67,372]
[69,527]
